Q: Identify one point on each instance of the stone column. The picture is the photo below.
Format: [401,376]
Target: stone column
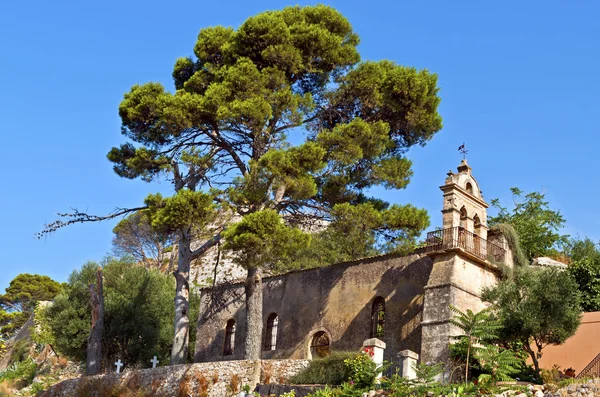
[408,359]
[378,347]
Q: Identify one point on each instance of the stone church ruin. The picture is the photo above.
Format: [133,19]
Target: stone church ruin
[400,300]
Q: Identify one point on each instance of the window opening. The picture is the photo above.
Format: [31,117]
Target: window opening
[320,346]
[229,338]
[271,334]
[377,317]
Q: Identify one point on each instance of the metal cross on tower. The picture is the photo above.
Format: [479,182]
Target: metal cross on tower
[463,150]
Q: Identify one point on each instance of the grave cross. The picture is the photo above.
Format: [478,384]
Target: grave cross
[154,362]
[119,364]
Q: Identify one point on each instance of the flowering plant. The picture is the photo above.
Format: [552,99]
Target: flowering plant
[363,370]
[369,351]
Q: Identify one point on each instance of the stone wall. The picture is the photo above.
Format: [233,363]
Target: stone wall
[335,299]
[211,379]
[457,279]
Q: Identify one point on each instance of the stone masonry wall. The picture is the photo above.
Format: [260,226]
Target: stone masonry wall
[211,379]
[336,300]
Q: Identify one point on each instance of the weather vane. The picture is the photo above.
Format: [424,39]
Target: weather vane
[463,150]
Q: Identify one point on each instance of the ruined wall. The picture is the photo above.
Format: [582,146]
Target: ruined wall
[335,299]
[209,379]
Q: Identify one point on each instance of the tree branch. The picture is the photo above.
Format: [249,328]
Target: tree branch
[207,245]
[81,217]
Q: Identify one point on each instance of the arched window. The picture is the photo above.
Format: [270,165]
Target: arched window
[320,346]
[463,217]
[476,221]
[469,187]
[229,338]
[377,317]
[271,334]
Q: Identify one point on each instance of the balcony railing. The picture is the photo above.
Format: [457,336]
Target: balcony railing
[459,237]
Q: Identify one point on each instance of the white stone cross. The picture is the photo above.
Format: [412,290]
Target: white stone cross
[154,362]
[119,364]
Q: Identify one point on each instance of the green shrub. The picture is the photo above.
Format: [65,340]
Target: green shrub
[330,370]
[22,373]
[363,370]
[21,351]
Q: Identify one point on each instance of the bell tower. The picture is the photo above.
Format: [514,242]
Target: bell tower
[464,205]
[464,262]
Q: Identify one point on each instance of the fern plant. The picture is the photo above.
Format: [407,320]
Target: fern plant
[476,327]
[497,363]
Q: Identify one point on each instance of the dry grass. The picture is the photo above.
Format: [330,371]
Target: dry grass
[185,388]
[267,372]
[112,388]
[62,362]
[202,385]
[234,383]
[6,388]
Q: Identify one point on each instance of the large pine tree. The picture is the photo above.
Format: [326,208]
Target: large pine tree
[278,122]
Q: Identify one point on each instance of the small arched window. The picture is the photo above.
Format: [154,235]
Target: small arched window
[320,346]
[271,334]
[377,317]
[476,221]
[229,338]
[469,188]
[463,217]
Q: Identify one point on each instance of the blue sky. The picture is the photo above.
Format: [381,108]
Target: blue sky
[519,84]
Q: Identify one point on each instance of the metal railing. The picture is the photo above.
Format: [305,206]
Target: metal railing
[459,237]
[592,369]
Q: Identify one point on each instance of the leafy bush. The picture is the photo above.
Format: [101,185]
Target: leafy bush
[138,317]
[330,370]
[363,370]
[497,364]
[20,351]
[21,372]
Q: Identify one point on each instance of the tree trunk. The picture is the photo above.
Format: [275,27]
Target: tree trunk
[534,359]
[467,364]
[181,338]
[254,303]
[94,348]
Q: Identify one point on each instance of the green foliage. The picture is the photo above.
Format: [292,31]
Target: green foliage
[261,239]
[477,328]
[20,351]
[329,370]
[226,127]
[538,307]
[245,90]
[585,268]
[512,238]
[426,373]
[11,322]
[70,315]
[138,313]
[537,225]
[135,236]
[27,289]
[41,333]
[184,209]
[22,372]
[19,300]
[363,370]
[496,363]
